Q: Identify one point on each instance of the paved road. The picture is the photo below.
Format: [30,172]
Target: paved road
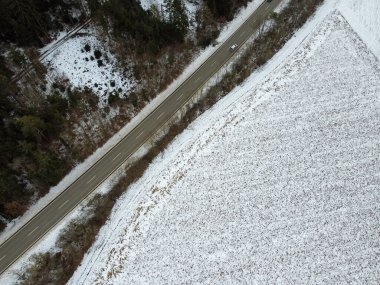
[47,218]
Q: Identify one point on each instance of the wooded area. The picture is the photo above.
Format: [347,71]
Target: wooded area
[28,22]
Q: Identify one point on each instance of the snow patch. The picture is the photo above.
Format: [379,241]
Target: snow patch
[85,62]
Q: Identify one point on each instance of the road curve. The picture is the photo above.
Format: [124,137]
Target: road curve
[15,246]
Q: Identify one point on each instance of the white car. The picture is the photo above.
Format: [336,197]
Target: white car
[233,47]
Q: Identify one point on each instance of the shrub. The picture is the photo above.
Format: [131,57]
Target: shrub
[97,54]
[18,58]
[113,97]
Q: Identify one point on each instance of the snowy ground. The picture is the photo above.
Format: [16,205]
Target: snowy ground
[278,183]
[82,68]
[48,242]
[78,61]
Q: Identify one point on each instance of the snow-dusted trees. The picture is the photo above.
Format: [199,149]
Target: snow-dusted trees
[207,29]
[177,17]
[146,30]
[225,8]
[27,22]
[211,14]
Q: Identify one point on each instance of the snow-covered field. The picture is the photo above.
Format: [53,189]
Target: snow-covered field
[364,17]
[278,183]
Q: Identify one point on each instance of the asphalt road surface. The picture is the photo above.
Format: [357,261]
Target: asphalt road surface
[54,212]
